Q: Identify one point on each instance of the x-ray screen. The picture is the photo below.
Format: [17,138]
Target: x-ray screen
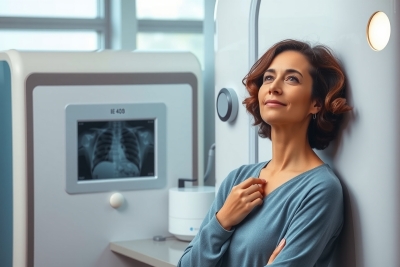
[115,149]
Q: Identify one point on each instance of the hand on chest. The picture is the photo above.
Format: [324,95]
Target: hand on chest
[275,180]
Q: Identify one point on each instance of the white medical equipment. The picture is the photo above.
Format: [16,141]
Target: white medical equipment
[92,143]
[365,156]
[188,207]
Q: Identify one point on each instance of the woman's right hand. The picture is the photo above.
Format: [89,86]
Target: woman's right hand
[240,202]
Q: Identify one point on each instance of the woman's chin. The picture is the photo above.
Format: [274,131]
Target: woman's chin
[271,120]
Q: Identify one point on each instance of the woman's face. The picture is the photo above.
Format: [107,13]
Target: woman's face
[285,95]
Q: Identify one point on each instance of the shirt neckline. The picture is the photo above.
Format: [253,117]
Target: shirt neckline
[279,188]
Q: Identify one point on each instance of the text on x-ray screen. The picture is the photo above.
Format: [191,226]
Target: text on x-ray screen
[115,149]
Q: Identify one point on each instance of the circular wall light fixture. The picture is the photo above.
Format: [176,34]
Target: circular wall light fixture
[378,31]
[227,104]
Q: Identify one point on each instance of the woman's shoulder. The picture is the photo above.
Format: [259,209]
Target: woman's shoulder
[323,178]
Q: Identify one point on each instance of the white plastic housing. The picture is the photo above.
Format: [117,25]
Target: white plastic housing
[187,209]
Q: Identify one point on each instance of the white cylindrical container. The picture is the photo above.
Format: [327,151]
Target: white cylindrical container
[188,207]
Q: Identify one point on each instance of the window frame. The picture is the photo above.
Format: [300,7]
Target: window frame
[101,24]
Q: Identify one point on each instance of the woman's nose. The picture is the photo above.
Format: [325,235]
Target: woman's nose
[275,88]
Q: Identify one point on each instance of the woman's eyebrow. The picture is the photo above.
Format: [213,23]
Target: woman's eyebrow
[286,71]
[293,70]
[270,70]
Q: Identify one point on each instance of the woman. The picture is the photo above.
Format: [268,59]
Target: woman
[287,211]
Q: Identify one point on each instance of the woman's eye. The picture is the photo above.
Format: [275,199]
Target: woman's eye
[292,79]
[268,78]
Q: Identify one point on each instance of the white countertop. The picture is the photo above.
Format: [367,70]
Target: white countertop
[156,253]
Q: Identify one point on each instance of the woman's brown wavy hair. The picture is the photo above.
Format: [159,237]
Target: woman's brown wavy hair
[328,88]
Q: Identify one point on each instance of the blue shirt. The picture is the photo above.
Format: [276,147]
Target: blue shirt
[307,211]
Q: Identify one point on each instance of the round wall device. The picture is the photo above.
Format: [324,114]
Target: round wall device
[227,104]
[116,200]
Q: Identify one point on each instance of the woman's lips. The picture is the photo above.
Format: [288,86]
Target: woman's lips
[274,103]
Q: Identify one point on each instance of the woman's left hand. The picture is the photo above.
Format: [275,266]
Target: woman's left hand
[277,251]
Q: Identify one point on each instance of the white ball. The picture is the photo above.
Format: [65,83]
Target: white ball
[116,200]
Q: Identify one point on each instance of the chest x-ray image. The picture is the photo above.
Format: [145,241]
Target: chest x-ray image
[115,149]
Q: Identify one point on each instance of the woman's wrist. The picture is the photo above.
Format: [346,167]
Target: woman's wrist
[222,221]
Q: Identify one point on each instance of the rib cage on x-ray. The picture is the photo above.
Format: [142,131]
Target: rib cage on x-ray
[116,149]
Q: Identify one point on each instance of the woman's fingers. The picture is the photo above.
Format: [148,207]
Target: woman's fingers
[253,188]
[252,185]
[239,203]
[251,181]
[255,195]
[277,250]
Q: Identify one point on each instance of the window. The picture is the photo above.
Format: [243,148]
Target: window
[172,9]
[63,25]
[49,8]
[48,40]
[76,25]
[171,25]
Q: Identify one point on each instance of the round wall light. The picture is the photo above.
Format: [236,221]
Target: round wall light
[378,31]
[227,104]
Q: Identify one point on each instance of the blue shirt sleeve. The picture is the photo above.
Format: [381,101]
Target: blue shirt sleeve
[212,240]
[310,238]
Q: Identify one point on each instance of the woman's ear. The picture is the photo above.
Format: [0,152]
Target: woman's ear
[316,106]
